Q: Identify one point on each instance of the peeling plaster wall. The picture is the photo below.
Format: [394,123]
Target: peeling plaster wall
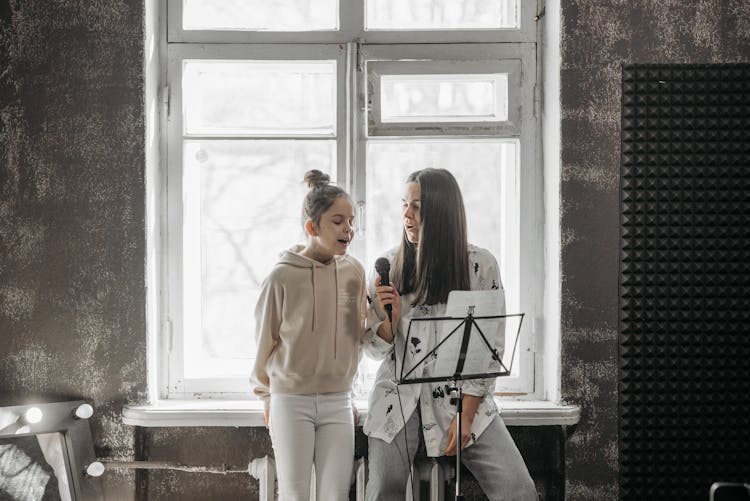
[71,211]
[598,36]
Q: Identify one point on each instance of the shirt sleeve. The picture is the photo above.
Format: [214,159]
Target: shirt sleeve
[268,315]
[488,279]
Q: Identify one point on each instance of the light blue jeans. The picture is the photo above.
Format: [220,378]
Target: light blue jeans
[493,459]
[307,429]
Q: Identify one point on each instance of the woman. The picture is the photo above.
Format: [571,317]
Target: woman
[433,259]
[310,321]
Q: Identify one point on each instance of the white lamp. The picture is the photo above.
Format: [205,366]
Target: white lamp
[83,411]
[32,415]
[95,469]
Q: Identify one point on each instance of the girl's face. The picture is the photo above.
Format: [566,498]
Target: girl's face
[335,231]
[410,208]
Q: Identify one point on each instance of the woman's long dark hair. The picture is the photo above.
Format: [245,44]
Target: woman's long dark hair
[439,262]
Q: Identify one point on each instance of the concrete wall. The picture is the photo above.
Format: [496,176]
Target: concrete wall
[598,36]
[72,318]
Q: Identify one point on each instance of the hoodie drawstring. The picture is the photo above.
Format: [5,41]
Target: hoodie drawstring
[314,316]
[336,322]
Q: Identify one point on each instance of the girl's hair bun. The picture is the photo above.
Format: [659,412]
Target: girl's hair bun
[320,196]
[316,179]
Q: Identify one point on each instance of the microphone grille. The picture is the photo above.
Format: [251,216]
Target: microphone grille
[382,265]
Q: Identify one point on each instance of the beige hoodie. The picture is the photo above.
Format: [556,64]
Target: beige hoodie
[310,318]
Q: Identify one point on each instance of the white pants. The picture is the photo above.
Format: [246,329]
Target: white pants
[307,429]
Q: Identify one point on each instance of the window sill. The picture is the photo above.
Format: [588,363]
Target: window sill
[170,413]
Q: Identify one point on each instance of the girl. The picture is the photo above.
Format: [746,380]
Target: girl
[433,259]
[310,320]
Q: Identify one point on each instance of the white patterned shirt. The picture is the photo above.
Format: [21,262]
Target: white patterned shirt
[384,419]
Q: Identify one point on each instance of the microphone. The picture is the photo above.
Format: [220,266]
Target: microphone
[383,267]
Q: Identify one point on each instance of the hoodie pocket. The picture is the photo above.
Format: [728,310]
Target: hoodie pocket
[298,352]
[303,356]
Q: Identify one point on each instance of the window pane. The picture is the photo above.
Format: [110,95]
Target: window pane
[444,98]
[441,14]
[260,15]
[486,171]
[242,206]
[259,97]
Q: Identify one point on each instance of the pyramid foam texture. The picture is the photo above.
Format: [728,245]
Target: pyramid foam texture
[684,338]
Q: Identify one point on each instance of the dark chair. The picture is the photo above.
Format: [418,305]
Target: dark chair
[729,491]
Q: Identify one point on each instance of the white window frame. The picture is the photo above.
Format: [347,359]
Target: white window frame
[413,62]
[232,388]
[351,28]
[522,124]
[519,45]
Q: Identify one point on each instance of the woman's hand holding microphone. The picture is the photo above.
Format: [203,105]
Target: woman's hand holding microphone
[388,298]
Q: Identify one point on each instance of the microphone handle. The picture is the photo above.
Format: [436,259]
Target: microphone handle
[384,280]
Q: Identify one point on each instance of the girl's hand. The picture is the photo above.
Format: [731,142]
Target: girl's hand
[266,416]
[387,294]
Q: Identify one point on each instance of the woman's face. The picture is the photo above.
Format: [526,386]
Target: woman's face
[411,205]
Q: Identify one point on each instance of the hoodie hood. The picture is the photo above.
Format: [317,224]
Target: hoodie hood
[292,257]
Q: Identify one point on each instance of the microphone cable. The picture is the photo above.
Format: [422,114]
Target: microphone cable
[409,463]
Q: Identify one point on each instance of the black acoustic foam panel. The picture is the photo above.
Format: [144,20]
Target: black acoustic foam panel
[684,382]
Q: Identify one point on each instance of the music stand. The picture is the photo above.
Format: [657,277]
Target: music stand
[469,324]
